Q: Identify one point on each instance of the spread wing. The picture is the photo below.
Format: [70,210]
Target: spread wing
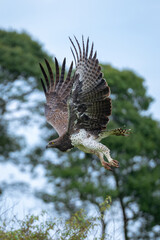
[57,92]
[89,103]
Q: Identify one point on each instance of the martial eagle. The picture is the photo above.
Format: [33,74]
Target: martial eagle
[78,106]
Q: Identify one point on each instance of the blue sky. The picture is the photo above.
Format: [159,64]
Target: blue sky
[126,33]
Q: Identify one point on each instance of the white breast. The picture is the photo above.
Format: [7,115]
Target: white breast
[77,140]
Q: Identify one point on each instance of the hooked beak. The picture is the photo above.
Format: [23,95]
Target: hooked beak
[50,145]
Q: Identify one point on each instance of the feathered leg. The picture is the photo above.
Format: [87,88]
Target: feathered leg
[100,150]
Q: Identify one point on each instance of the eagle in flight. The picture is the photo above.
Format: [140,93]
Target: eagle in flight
[78,106]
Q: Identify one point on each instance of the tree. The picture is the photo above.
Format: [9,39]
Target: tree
[78,227]
[77,179]
[21,97]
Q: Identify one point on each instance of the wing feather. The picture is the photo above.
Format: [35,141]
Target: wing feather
[56,110]
[89,103]
[45,76]
[61,79]
[74,48]
[50,74]
[44,88]
[80,52]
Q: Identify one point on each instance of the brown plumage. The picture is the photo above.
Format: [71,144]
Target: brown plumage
[78,107]
[57,92]
[89,102]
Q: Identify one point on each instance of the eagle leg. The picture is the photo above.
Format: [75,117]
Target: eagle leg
[106,165]
[99,149]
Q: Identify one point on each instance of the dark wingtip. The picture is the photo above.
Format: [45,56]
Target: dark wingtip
[45,76]
[87,46]
[44,88]
[63,70]
[46,61]
[95,55]
[72,63]
[57,64]
[91,52]
[80,53]
[70,70]
[40,66]
[74,49]
[73,55]
[50,73]
[83,46]
[56,61]
[57,72]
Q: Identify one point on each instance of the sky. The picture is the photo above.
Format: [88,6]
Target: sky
[126,33]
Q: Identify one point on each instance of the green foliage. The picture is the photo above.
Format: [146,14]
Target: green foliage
[106,204]
[78,227]
[20,55]
[19,78]
[30,228]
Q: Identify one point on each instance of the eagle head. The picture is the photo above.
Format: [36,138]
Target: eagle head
[54,143]
[63,143]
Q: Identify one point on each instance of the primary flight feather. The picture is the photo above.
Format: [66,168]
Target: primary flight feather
[78,107]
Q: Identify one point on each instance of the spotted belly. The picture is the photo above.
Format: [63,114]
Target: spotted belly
[77,140]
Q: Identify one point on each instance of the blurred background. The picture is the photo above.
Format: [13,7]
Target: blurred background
[126,36]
